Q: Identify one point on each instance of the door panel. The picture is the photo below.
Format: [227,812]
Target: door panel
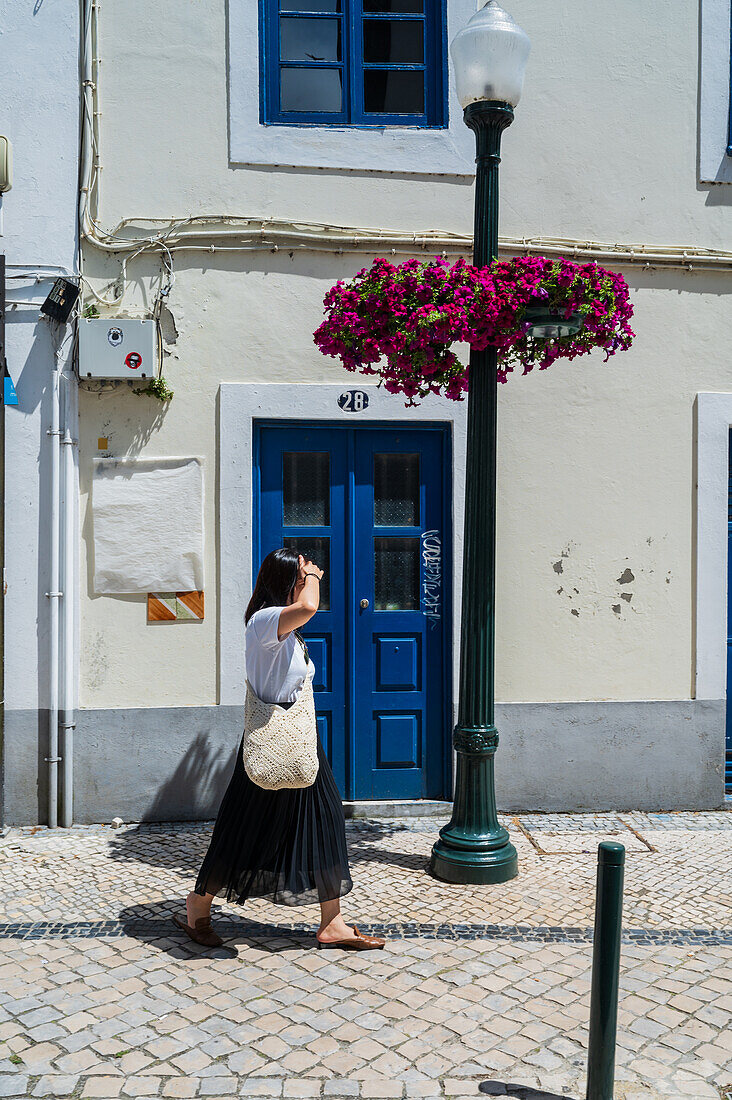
[368,505]
[302,478]
[399,714]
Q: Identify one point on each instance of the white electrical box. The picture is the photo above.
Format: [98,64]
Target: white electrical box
[117,347]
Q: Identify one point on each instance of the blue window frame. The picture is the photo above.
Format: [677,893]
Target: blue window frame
[363,63]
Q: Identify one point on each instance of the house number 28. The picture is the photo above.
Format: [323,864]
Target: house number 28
[353,401]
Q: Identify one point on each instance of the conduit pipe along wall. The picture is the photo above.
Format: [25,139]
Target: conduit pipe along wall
[221,232]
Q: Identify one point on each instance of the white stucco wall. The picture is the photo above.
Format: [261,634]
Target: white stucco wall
[38,112]
[595,460]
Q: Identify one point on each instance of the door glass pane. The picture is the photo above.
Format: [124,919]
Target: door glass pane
[310,39]
[393,91]
[311,5]
[399,7]
[318,552]
[306,489]
[393,40]
[396,490]
[311,90]
[396,574]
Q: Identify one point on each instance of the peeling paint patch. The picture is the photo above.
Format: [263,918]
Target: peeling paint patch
[628,596]
[575,612]
[168,328]
[616,608]
[560,590]
[626,577]
[558,567]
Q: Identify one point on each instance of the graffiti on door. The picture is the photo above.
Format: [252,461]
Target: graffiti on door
[432,576]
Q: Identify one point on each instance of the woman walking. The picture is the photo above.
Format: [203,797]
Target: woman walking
[288,845]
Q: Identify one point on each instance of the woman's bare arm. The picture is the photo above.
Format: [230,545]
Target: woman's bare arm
[306,602]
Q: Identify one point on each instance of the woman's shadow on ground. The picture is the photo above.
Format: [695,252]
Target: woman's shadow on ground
[518,1092]
[157,929]
[180,846]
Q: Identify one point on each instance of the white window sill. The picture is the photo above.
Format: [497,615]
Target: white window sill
[391,149]
[715,166]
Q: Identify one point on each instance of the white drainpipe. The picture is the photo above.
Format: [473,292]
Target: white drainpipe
[68,717]
[54,596]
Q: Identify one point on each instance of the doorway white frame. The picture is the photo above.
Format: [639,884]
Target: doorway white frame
[714,420]
[241,404]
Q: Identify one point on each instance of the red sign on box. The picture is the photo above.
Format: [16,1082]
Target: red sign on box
[133,360]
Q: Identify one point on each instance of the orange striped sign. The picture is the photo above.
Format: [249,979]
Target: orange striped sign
[161,607]
[189,605]
[174,606]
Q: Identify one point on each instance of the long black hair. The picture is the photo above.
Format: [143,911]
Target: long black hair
[276,579]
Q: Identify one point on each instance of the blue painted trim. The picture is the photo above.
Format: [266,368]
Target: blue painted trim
[351,617]
[447,605]
[353,66]
[728,724]
[256,506]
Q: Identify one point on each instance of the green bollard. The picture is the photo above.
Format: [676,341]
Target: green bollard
[605,971]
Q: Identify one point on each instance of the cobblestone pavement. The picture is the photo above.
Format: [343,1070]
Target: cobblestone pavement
[100,997]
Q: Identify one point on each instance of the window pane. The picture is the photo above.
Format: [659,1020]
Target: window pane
[393,40]
[306,489]
[310,5]
[318,552]
[396,490]
[311,90]
[310,39]
[396,574]
[393,92]
[399,7]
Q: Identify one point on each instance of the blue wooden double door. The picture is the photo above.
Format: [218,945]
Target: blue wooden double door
[370,506]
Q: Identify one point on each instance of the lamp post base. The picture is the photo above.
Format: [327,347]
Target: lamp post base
[473,847]
[466,865]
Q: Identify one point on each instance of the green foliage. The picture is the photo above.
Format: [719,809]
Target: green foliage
[156,387]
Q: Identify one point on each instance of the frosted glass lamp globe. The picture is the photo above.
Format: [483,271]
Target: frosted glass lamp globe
[489,56]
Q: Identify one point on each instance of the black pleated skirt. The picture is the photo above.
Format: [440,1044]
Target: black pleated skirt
[288,846]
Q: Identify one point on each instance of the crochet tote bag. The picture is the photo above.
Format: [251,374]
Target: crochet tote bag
[281,745]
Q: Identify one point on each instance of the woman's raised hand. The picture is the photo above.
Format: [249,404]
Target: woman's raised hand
[306,566]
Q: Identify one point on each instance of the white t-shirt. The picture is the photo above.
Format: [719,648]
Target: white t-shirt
[276,669]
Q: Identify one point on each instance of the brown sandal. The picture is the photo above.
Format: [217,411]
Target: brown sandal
[203,933]
[360,943]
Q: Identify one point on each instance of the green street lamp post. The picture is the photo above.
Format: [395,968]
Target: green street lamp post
[489,56]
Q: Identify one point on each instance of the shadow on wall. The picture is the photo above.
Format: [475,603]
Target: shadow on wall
[190,796]
[196,787]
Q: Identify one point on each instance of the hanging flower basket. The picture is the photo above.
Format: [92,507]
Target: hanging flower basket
[400,321]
